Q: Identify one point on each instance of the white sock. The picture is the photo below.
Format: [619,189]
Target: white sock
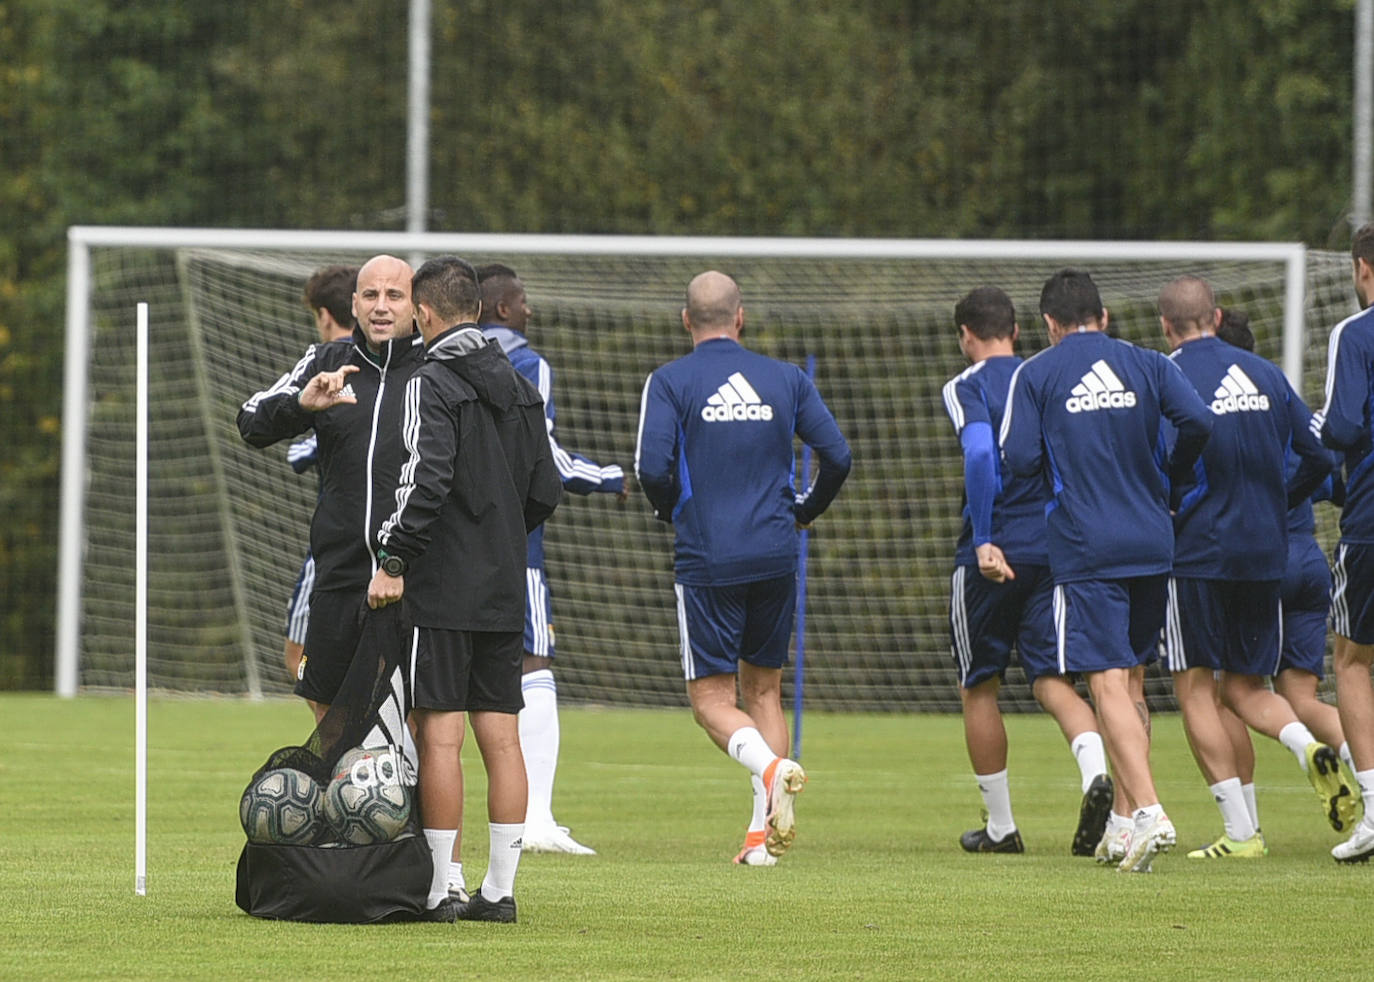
[1144,816]
[1365,779]
[440,851]
[1115,822]
[1235,815]
[455,877]
[1296,736]
[539,738]
[996,791]
[748,746]
[1347,756]
[1091,756]
[760,803]
[499,882]
[1251,804]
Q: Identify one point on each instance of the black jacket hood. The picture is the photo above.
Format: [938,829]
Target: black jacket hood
[481,364]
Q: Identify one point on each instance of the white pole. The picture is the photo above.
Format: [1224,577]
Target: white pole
[141,613]
[71,537]
[1362,199]
[417,129]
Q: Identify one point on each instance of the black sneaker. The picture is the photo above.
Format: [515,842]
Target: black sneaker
[978,840]
[1092,815]
[445,913]
[479,908]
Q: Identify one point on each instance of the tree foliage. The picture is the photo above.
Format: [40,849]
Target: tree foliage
[1209,119]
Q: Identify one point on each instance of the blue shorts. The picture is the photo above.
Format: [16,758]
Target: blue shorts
[1223,625]
[298,610]
[1306,596]
[538,614]
[720,626]
[1102,624]
[1352,593]
[987,618]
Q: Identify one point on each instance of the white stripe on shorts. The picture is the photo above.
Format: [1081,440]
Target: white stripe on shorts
[536,603]
[1061,620]
[1174,651]
[958,622]
[1340,605]
[688,668]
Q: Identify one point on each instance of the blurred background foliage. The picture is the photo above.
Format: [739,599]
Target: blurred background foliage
[1205,119]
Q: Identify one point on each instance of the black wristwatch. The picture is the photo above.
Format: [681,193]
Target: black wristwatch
[392,565]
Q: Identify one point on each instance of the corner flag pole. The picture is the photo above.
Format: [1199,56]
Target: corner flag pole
[141,613]
[800,674]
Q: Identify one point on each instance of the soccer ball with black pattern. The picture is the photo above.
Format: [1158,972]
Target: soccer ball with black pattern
[282,807]
[366,802]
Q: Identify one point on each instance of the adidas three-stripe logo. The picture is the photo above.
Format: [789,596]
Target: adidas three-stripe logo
[1099,389]
[735,400]
[1237,394]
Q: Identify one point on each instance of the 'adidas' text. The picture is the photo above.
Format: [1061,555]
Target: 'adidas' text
[1237,394]
[1099,389]
[735,400]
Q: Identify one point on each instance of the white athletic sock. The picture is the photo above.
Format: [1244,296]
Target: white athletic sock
[1365,779]
[1347,756]
[1115,823]
[1091,756]
[748,746]
[1251,805]
[440,850]
[1296,736]
[499,882]
[996,792]
[455,877]
[1144,816]
[1235,815]
[539,736]
[760,803]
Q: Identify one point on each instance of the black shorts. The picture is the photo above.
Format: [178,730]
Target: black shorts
[331,637]
[466,671]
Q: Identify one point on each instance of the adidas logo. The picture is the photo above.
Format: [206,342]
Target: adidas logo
[1237,394]
[347,392]
[735,400]
[1099,389]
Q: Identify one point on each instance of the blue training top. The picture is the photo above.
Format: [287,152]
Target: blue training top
[1231,521]
[715,457]
[999,507]
[1344,422]
[1088,413]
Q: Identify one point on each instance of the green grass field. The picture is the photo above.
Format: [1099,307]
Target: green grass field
[875,887]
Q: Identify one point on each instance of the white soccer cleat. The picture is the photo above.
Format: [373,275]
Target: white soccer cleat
[785,784]
[553,838]
[1115,842]
[1359,848]
[1148,842]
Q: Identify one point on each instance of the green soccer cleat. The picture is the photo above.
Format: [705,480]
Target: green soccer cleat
[1228,848]
[1324,774]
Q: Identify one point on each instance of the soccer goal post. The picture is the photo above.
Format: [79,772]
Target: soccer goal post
[228,524]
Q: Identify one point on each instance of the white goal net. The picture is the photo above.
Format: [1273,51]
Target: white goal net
[228,524]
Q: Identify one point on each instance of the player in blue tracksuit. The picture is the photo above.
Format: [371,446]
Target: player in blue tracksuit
[1231,552]
[1010,602]
[1088,413]
[1344,424]
[328,295]
[715,458]
[505,313]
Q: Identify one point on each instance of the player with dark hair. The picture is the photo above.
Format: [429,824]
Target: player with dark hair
[505,315]
[715,458]
[328,296]
[1087,413]
[1344,424]
[350,394]
[477,479]
[1230,555]
[1305,593]
[1010,603]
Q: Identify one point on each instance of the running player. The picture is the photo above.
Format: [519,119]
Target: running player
[1009,604]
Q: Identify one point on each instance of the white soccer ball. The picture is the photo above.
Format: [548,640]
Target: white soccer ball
[366,801]
[282,807]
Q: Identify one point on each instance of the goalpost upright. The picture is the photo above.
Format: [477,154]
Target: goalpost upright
[77,400]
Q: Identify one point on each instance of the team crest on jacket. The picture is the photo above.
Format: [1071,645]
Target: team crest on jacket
[735,400]
[1237,394]
[1099,389]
